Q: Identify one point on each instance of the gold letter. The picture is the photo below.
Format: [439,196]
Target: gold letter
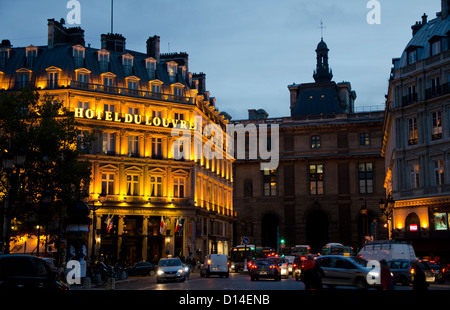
[108,116]
[79,112]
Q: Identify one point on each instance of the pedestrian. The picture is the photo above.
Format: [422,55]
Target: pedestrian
[387,282]
[312,274]
[419,280]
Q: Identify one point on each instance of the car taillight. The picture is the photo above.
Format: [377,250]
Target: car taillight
[412,271]
[209,262]
[254,266]
[294,265]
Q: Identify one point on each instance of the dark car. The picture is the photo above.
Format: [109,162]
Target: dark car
[27,272]
[437,271]
[265,268]
[404,272]
[143,269]
[297,267]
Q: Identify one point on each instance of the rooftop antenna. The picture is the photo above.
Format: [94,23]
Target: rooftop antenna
[321,27]
[112,16]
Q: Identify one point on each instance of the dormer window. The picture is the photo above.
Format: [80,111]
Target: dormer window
[52,77]
[150,65]
[156,86]
[103,60]
[82,75]
[183,71]
[435,47]
[177,89]
[412,57]
[78,55]
[4,56]
[31,55]
[127,62]
[108,79]
[172,70]
[132,83]
[23,77]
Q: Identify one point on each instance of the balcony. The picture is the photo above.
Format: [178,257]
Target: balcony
[130,92]
[409,99]
[437,91]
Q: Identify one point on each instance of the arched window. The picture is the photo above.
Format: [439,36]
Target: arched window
[412,222]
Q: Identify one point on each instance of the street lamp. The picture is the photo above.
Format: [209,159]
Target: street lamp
[101,199]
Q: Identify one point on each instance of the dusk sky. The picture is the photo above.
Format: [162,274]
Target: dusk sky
[250,50]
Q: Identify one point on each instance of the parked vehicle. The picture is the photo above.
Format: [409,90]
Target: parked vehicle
[345,271]
[142,269]
[170,269]
[387,250]
[215,264]
[404,272]
[264,268]
[19,272]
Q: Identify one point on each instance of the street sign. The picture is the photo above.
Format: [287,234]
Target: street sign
[245,240]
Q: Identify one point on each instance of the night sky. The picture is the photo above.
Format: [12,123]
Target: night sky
[250,50]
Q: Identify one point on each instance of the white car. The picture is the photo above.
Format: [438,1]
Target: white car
[170,269]
[290,260]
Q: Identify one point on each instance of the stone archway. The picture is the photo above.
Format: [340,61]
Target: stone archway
[317,230]
[270,230]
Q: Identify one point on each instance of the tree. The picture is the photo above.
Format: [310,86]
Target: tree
[46,134]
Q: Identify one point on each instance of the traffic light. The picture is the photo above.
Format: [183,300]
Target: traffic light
[282,241]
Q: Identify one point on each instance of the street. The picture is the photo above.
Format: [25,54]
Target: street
[236,281]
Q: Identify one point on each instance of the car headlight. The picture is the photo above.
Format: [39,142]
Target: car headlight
[180,271]
[160,272]
[186,269]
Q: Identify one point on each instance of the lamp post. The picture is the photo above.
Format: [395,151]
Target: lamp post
[101,199]
[386,208]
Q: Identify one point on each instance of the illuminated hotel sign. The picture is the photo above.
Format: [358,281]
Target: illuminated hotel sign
[133,119]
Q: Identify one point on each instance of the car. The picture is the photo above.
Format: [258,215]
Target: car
[346,271]
[143,269]
[264,268]
[437,271]
[290,259]
[19,271]
[170,269]
[284,266]
[54,267]
[297,267]
[215,264]
[404,272]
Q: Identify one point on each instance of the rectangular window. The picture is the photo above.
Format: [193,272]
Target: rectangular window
[151,70]
[128,66]
[315,142]
[364,139]
[156,88]
[78,55]
[108,81]
[83,105]
[103,60]
[3,58]
[132,185]
[414,175]
[179,116]
[52,80]
[365,178]
[109,143]
[31,57]
[23,80]
[437,125]
[270,182]
[133,146]
[156,186]
[412,126]
[108,108]
[178,187]
[435,47]
[177,91]
[412,57]
[439,172]
[82,78]
[108,183]
[316,179]
[133,111]
[157,147]
[157,114]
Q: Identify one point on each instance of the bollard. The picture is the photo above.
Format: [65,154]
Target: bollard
[111,284]
[245,265]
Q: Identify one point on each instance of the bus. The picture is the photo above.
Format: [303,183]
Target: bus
[262,252]
[239,254]
[337,249]
[302,250]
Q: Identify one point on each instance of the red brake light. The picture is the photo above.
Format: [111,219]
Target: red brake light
[412,271]
[209,262]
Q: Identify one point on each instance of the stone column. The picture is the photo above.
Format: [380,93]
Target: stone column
[144,237]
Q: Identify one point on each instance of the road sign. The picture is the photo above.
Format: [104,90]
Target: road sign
[245,240]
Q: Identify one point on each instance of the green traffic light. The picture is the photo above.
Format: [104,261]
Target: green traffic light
[282,240]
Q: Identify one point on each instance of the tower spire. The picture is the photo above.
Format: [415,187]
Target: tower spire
[321,27]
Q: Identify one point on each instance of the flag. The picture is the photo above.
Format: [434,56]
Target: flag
[109,222]
[179,226]
[162,226]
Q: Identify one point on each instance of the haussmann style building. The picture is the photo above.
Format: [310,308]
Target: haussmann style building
[130,101]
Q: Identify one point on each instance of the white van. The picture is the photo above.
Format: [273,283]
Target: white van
[215,264]
[388,250]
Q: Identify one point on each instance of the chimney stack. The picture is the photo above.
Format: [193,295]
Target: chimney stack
[113,42]
[153,47]
[445,7]
[57,33]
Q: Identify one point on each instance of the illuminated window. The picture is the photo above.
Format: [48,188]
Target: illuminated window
[108,183]
[132,185]
[53,79]
[178,187]
[270,182]
[316,179]
[133,146]
[437,125]
[365,176]
[364,139]
[412,125]
[157,148]
[156,186]
[109,143]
